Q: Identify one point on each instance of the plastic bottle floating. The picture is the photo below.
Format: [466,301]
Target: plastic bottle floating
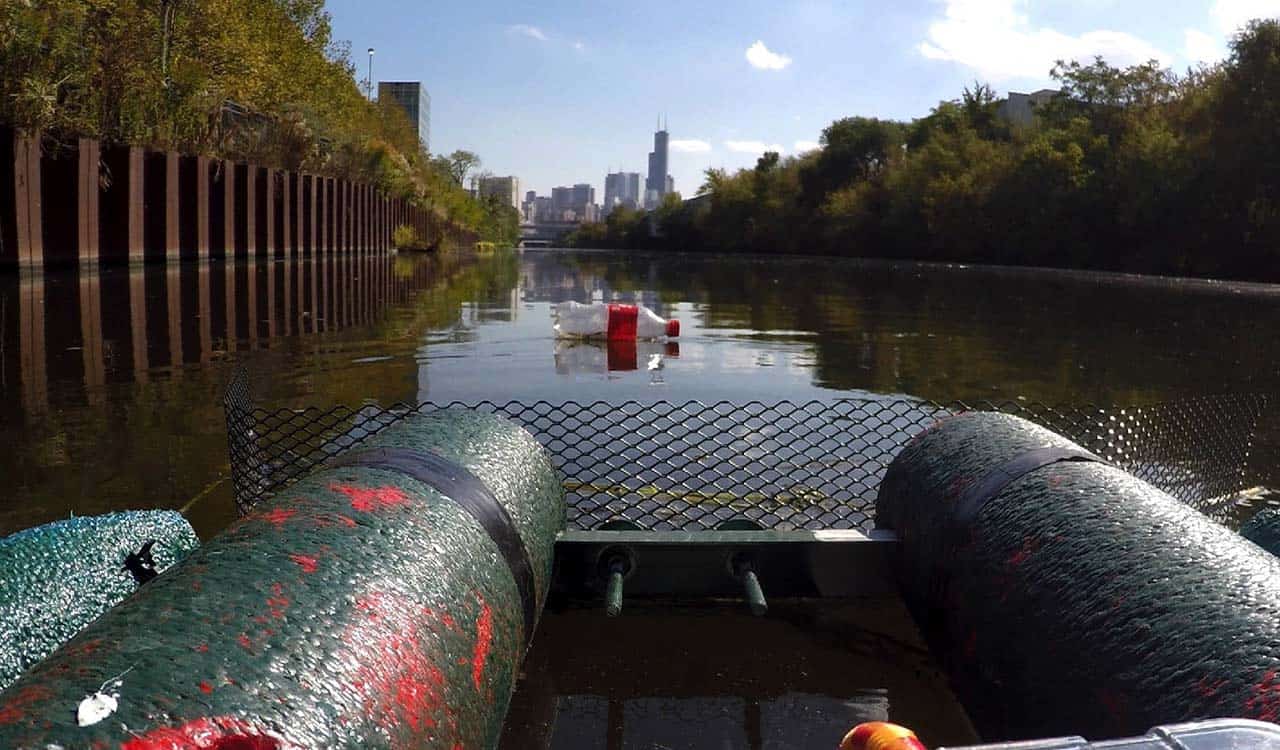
[611,321]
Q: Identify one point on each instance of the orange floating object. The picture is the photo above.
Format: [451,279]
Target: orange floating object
[881,735]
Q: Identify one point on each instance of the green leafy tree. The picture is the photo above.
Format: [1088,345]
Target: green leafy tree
[853,149]
[259,80]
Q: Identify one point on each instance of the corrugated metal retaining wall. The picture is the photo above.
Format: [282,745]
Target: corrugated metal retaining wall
[83,204]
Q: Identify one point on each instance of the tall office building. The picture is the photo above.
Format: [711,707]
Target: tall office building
[542,208]
[583,194]
[659,182]
[506,188]
[577,203]
[621,189]
[413,99]
[561,201]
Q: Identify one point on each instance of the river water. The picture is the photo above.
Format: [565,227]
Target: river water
[111,387]
[110,383]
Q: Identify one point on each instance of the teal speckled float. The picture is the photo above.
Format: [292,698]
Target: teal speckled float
[1264,530]
[359,608]
[57,578]
[1078,599]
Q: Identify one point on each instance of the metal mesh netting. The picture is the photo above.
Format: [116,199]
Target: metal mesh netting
[785,465]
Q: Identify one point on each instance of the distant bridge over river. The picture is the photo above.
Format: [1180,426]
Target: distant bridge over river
[545,233]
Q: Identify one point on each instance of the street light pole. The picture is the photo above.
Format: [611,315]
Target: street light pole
[370,74]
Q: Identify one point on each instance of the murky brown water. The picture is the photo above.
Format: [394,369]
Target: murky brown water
[110,388]
[110,383]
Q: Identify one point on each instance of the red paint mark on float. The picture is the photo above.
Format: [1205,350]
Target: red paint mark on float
[368,499]
[220,733]
[306,562]
[957,486]
[327,520]
[277,603]
[397,679]
[1209,689]
[85,648]
[1264,704]
[372,605]
[1029,547]
[278,516]
[484,639]
[16,708]
[205,687]
[418,699]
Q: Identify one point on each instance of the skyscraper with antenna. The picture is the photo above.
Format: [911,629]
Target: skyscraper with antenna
[658,183]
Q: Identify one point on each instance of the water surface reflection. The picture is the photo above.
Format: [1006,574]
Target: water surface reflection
[111,382]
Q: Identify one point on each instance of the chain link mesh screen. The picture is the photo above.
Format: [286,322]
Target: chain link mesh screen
[814,465]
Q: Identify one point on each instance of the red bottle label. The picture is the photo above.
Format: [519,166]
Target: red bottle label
[622,322]
[622,355]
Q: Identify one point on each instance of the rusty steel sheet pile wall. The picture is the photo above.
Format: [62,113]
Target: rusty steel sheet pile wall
[80,203]
[1066,597]
[385,601]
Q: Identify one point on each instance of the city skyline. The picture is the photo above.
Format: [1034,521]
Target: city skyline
[583,82]
[620,188]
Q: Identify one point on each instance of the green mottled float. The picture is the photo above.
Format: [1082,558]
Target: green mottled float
[1065,596]
[364,607]
[1264,530]
[57,578]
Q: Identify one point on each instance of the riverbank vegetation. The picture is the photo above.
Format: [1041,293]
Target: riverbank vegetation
[1136,169]
[252,80]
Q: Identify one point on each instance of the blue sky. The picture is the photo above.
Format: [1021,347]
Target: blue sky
[559,92]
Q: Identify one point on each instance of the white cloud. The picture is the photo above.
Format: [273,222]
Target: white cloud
[1226,18]
[761,57]
[524,29]
[753,147]
[1229,16]
[579,46]
[997,39]
[1201,47]
[802,146]
[690,146]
